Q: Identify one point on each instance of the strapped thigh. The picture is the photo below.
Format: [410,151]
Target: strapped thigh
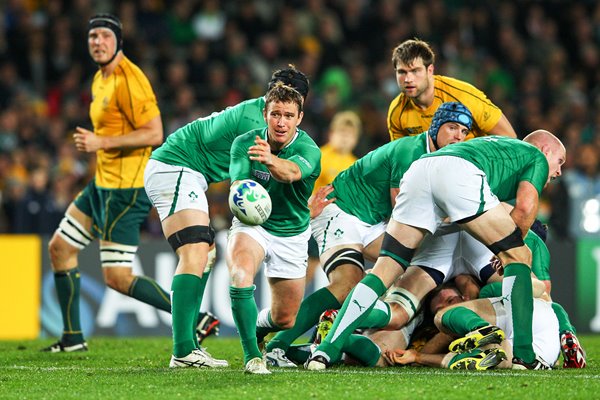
[514,240]
[73,232]
[192,234]
[344,257]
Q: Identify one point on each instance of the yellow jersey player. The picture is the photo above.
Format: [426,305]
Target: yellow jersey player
[422,92]
[127,123]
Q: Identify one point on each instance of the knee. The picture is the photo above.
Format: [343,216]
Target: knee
[399,317]
[121,282]
[283,319]
[240,276]
[60,252]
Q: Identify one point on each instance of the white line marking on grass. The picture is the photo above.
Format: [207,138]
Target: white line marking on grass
[335,371]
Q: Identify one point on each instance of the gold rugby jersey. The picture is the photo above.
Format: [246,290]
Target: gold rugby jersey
[122,103]
[406,119]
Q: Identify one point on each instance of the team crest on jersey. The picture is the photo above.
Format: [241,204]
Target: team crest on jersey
[338,233]
[193,196]
[262,175]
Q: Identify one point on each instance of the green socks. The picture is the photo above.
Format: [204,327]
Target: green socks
[461,320]
[358,304]
[245,314]
[186,297]
[308,315]
[147,291]
[362,349]
[67,289]
[379,316]
[564,324]
[516,286]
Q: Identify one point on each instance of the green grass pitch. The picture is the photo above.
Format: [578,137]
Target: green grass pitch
[137,368]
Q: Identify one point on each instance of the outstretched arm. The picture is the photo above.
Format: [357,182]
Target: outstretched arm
[281,170]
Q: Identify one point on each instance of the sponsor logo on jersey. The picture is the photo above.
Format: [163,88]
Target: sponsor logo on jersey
[262,175]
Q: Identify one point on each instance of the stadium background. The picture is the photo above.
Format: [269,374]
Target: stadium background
[538,61]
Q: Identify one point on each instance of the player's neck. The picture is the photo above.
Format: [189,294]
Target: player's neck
[109,68]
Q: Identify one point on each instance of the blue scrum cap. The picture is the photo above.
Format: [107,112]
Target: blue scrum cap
[449,112]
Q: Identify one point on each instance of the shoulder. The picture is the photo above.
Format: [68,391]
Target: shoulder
[441,81]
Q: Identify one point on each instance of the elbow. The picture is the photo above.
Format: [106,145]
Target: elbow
[156,139]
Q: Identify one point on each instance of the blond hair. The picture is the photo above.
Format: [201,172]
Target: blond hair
[346,119]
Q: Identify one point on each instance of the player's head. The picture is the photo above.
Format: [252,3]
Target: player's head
[449,112]
[552,148]
[291,77]
[413,65]
[282,113]
[104,23]
[410,50]
[344,131]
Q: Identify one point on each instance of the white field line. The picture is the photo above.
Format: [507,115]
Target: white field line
[394,371]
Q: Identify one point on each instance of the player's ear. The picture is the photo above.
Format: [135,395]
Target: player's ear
[300,118]
[265,114]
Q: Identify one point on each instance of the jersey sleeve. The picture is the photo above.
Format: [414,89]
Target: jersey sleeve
[393,120]
[537,172]
[136,99]
[485,113]
[239,166]
[309,160]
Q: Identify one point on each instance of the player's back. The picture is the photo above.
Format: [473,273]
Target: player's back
[204,145]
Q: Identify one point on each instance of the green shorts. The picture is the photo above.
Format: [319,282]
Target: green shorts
[117,214]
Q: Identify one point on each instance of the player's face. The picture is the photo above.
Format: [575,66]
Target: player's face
[282,120]
[556,157]
[102,44]
[414,79]
[451,132]
[445,298]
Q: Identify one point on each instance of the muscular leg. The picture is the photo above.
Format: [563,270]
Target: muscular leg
[491,228]
[395,256]
[342,279]
[187,287]
[63,258]
[244,256]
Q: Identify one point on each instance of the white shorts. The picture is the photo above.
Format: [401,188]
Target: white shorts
[285,257]
[546,339]
[453,254]
[173,188]
[437,187]
[334,227]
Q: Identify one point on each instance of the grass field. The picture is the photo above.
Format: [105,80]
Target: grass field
[137,368]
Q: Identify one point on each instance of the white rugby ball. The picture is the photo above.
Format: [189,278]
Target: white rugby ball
[250,202]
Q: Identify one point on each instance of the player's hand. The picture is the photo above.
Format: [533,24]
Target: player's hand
[400,357]
[318,201]
[86,140]
[497,265]
[261,151]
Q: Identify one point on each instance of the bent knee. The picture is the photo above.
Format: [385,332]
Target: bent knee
[118,280]
[284,321]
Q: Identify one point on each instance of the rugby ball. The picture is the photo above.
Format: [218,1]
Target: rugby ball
[249,202]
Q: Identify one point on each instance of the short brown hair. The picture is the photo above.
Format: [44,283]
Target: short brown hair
[283,93]
[408,51]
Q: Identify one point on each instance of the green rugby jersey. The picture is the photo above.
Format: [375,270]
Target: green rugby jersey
[204,144]
[363,190]
[505,161]
[540,264]
[290,215]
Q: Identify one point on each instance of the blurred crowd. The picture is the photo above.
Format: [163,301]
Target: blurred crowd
[538,61]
